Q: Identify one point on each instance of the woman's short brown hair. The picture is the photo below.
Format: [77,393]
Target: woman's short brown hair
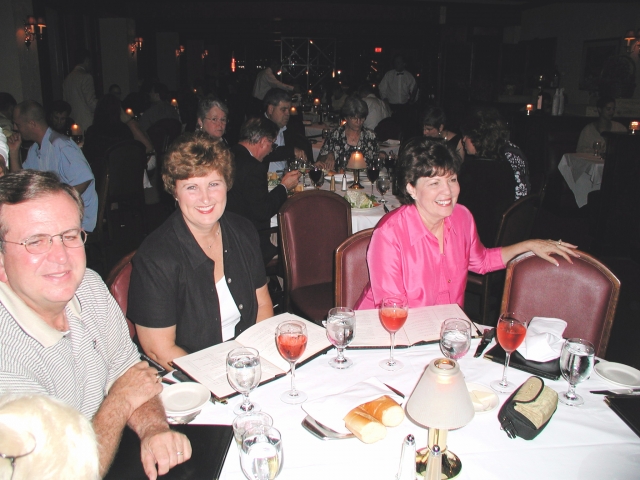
[424,157]
[196,155]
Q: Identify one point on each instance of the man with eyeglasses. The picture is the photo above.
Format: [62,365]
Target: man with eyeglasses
[250,195]
[62,334]
[53,152]
[277,105]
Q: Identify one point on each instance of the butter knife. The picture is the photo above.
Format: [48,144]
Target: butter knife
[487,336]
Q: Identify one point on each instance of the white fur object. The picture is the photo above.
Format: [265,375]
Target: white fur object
[65,444]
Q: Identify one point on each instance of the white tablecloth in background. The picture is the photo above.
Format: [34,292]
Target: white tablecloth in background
[320,141]
[583,174]
[580,443]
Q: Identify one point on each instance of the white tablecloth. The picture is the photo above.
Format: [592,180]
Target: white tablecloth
[360,219]
[581,443]
[319,141]
[583,174]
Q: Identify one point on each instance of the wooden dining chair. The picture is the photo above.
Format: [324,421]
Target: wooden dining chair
[311,225]
[351,271]
[118,284]
[584,294]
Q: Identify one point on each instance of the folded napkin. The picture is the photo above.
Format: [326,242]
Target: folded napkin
[544,339]
[331,410]
[481,400]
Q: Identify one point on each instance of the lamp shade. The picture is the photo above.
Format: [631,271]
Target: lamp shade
[441,399]
[356,161]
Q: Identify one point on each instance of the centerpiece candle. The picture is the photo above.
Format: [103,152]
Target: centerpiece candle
[634,127]
[316,101]
[129,112]
[75,129]
[529,108]
[294,111]
[174,102]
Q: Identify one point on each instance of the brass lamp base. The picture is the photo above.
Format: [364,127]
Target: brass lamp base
[451,464]
[356,181]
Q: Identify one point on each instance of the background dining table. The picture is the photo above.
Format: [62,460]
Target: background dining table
[583,174]
[581,443]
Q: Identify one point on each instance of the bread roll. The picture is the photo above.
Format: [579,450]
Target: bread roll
[385,410]
[364,426]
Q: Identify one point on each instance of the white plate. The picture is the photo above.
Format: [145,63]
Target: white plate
[338,177]
[390,143]
[619,374]
[184,398]
[495,401]
[307,122]
[365,209]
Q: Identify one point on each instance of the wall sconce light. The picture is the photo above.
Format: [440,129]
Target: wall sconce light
[30,25]
[180,51]
[205,54]
[136,45]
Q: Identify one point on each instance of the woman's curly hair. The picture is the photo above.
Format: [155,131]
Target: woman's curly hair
[487,131]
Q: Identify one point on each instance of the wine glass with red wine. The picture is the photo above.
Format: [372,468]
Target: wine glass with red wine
[510,333]
[317,176]
[291,340]
[393,315]
[373,172]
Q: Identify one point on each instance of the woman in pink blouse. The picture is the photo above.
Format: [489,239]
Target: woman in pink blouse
[425,248]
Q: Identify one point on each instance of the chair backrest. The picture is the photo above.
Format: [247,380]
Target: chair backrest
[118,284]
[517,222]
[487,189]
[311,226]
[584,294]
[352,273]
[126,162]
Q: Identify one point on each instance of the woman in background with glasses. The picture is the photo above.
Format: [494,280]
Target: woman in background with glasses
[212,117]
[350,136]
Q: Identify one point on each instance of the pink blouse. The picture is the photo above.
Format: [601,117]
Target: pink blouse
[404,257]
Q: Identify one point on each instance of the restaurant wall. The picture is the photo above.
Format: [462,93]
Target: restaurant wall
[118,65]
[20,70]
[572,24]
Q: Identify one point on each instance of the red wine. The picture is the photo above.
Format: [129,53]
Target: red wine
[373,174]
[315,174]
[291,345]
[393,318]
[510,335]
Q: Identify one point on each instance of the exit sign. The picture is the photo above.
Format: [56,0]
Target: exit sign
[378,50]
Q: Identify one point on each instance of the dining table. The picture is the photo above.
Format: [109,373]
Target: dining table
[579,443]
[361,218]
[583,174]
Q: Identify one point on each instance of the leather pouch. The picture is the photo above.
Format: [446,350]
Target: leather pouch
[528,410]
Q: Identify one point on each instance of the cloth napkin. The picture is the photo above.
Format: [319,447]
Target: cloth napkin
[544,339]
[331,410]
[481,400]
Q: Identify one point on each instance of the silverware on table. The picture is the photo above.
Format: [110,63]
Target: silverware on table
[487,336]
[322,432]
[617,391]
[384,205]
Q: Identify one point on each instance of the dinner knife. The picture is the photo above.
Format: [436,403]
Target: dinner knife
[616,391]
[487,336]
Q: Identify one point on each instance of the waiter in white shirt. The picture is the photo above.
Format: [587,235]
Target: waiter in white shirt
[399,89]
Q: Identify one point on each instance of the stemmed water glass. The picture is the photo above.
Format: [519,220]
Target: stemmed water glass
[576,363]
[510,333]
[393,314]
[455,337]
[244,372]
[383,184]
[341,328]
[303,166]
[598,147]
[261,453]
[291,340]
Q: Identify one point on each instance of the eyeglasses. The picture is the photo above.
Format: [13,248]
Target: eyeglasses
[221,120]
[356,119]
[41,243]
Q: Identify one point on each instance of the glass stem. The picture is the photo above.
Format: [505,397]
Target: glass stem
[393,341]
[246,404]
[294,392]
[571,393]
[340,357]
[504,382]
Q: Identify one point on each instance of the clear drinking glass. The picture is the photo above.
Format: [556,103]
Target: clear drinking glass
[244,372]
[341,329]
[304,168]
[510,333]
[455,337]
[598,147]
[393,315]
[261,455]
[247,421]
[383,184]
[576,363]
[291,340]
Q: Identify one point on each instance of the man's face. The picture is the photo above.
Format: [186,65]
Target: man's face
[45,282]
[23,125]
[59,121]
[399,64]
[279,114]
[265,147]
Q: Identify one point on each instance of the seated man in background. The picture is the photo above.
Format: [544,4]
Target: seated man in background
[59,117]
[160,107]
[250,195]
[62,333]
[53,152]
[277,105]
[378,109]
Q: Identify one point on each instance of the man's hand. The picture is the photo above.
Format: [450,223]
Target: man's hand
[300,154]
[14,141]
[164,448]
[290,179]
[136,386]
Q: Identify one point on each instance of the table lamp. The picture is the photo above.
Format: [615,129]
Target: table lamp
[441,402]
[356,163]
[529,108]
[634,127]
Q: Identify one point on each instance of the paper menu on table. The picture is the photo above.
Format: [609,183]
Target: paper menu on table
[422,326]
[208,366]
